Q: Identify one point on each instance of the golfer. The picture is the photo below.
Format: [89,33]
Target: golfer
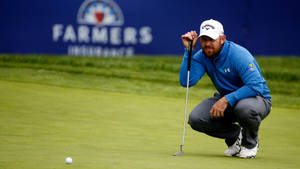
[242,101]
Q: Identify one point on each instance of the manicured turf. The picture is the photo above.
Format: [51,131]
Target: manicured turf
[105,122]
[41,125]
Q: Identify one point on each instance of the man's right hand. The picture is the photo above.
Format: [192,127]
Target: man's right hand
[186,38]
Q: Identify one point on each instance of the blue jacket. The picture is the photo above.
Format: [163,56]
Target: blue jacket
[234,72]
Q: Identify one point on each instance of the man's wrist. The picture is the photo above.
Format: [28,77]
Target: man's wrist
[225,100]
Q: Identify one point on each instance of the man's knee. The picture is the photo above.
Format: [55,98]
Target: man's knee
[247,115]
[199,118]
[197,122]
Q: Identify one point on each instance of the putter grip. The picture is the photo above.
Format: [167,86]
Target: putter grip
[190,55]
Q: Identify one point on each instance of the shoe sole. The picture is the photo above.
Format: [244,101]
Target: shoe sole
[233,155]
[248,157]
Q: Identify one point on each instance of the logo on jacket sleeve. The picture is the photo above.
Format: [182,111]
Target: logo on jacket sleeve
[251,67]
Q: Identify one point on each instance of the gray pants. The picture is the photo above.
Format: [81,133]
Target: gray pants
[248,113]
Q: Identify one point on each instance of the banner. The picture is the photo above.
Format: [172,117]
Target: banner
[111,28]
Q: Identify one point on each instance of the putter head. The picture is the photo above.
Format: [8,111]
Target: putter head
[178,153]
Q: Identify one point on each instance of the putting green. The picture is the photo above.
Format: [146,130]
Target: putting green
[41,125]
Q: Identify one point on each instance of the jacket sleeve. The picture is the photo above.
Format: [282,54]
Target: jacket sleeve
[197,69]
[249,73]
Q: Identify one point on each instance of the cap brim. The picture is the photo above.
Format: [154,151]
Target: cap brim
[209,34]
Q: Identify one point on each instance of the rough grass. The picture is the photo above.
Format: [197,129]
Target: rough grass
[148,75]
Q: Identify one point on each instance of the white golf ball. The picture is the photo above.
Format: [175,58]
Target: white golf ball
[68,160]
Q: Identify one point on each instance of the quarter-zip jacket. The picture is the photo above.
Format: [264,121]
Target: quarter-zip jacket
[234,72]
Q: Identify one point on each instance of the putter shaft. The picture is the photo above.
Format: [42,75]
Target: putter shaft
[187,97]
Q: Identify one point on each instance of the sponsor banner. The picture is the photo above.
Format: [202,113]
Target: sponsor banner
[112,28]
[101,41]
[100,31]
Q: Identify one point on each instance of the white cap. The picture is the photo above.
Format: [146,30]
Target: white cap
[211,28]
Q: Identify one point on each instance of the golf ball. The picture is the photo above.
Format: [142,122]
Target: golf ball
[68,160]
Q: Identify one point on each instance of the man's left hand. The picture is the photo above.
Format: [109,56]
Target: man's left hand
[218,108]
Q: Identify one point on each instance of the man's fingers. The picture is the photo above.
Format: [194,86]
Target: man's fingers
[190,35]
[219,114]
[195,35]
[218,109]
[215,113]
[186,37]
[222,114]
[212,112]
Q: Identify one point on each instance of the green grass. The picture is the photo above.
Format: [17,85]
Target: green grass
[146,75]
[128,114]
[41,125]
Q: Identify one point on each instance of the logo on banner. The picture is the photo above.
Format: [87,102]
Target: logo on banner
[100,12]
[100,31]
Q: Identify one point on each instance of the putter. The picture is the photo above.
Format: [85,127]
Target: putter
[187,97]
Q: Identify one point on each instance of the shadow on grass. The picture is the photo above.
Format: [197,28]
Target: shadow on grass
[202,154]
[217,156]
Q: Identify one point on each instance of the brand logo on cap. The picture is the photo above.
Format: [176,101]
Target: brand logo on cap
[207,27]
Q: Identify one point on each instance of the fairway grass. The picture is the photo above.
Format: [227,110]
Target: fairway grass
[42,124]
